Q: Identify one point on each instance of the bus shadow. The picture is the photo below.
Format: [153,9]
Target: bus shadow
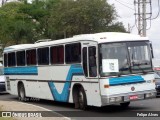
[105,109]
[3,93]
[68,110]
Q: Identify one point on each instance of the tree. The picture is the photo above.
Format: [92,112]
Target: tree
[17,25]
[70,17]
[21,22]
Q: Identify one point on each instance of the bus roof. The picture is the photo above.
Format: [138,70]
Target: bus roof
[103,37]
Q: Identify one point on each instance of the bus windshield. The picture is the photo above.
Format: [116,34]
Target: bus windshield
[124,58]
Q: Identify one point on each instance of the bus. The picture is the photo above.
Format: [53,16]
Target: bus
[88,70]
[2,79]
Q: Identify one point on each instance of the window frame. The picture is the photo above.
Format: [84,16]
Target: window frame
[80,50]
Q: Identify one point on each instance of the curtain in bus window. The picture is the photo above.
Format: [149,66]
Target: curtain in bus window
[57,55]
[31,57]
[43,56]
[53,55]
[61,54]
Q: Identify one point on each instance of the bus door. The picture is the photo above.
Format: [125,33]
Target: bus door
[90,61]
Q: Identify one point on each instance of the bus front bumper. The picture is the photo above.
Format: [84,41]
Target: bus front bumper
[127,97]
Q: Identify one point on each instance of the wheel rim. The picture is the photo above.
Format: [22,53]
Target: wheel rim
[81,99]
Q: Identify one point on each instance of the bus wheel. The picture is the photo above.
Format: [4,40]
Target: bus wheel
[21,93]
[82,99]
[125,105]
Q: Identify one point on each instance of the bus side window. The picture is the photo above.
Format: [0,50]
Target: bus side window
[92,62]
[21,59]
[5,59]
[43,56]
[73,53]
[11,59]
[31,57]
[57,54]
[85,61]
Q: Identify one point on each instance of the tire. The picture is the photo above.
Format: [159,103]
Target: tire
[82,101]
[21,93]
[125,105]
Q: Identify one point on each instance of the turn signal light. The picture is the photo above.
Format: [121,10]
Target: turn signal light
[106,86]
[154,81]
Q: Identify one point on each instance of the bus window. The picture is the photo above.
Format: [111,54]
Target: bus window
[5,60]
[57,54]
[11,59]
[43,56]
[73,53]
[31,57]
[21,59]
[85,61]
[92,62]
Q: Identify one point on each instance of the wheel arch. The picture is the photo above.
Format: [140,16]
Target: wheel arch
[75,90]
[18,86]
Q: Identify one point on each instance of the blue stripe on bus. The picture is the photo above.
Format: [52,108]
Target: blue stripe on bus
[125,80]
[21,71]
[64,95]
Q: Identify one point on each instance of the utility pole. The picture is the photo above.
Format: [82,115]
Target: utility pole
[139,19]
[3,2]
[144,18]
[141,15]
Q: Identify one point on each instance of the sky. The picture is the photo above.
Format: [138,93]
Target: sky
[125,10]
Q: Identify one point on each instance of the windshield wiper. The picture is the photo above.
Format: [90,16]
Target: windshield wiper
[137,64]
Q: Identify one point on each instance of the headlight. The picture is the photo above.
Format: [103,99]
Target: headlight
[149,95]
[112,99]
[115,99]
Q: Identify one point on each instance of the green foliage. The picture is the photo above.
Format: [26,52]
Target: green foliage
[21,22]
[70,17]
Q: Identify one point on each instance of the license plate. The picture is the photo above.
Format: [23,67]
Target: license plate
[133,97]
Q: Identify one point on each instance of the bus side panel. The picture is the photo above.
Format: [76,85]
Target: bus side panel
[56,83]
[12,87]
[49,78]
[91,88]
[38,90]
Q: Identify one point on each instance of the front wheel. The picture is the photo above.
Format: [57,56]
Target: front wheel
[82,99]
[125,105]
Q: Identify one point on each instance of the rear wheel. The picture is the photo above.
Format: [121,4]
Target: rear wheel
[125,105]
[82,101]
[21,93]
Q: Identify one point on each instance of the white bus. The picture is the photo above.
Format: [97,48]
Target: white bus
[90,69]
